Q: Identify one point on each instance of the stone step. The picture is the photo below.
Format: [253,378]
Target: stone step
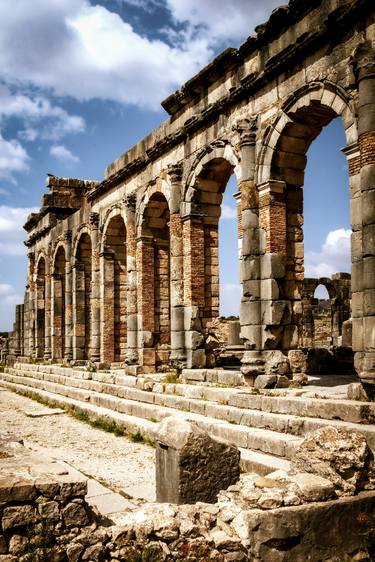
[281,423]
[259,439]
[251,461]
[278,402]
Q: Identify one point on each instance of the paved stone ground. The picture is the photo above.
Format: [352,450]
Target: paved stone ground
[123,466]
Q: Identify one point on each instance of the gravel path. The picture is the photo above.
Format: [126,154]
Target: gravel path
[118,463]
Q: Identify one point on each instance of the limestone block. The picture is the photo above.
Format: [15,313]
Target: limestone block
[290,337]
[369,333]
[191,318]
[18,516]
[277,312]
[269,289]
[276,363]
[250,313]
[368,238]
[250,268]
[193,339]
[252,336]
[339,455]
[249,219]
[313,488]
[265,381]
[272,266]
[75,515]
[297,360]
[357,334]
[251,242]
[356,391]
[195,358]
[367,178]
[357,304]
[190,465]
[356,213]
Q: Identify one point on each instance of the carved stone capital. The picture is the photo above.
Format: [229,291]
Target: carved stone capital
[94,219]
[130,201]
[246,130]
[363,61]
[175,172]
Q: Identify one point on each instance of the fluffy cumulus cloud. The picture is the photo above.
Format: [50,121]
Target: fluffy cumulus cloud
[64,154]
[35,108]
[12,234]
[74,48]
[228,212]
[333,257]
[13,158]
[9,297]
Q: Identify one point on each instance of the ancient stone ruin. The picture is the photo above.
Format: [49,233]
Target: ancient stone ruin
[125,270]
[120,321]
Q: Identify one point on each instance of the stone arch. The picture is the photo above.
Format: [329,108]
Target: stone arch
[58,321]
[114,287]
[82,295]
[115,210]
[154,227]
[161,187]
[40,328]
[329,101]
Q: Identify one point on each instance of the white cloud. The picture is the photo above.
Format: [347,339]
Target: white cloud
[13,158]
[9,297]
[220,20]
[62,153]
[332,258]
[228,212]
[75,49]
[33,108]
[12,234]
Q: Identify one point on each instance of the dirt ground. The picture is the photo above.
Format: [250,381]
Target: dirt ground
[118,463]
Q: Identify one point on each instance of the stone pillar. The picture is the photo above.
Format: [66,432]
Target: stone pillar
[68,355]
[48,317]
[363,275]
[95,290]
[178,353]
[194,288]
[131,265]
[56,315]
[250,270]
[146,302]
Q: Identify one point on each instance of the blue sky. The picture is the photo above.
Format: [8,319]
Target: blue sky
[81,81]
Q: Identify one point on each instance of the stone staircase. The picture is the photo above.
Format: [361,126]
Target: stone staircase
[267,426]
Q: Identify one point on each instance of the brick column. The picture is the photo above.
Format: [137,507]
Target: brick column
[56,315]
[95,290]
[107,306]
[146,302]
[131,266]
[364,68]
[48,317]
[194,288]
[68,355]
[31,304]
[178,353]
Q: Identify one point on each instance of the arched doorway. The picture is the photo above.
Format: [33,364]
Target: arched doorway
[322,317]
[58,304]
[156,234]
[114,314]
[82,298]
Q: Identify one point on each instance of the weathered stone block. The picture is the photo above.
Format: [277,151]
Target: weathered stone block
[272,266]
[190,465]
[250,313]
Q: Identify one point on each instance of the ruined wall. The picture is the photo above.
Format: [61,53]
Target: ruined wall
[253,112]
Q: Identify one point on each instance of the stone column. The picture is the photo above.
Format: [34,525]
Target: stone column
[146,302]
[131,266]
[68,355]
[250,270]
[178,353]
[48,317]
[194,287]
[363,280]
[95,290]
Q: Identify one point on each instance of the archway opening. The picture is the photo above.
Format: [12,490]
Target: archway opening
[217,199]
[58,300]
[40,307]
[316,194]
[155,227]
[83,313]
[115,292]
[322,316]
